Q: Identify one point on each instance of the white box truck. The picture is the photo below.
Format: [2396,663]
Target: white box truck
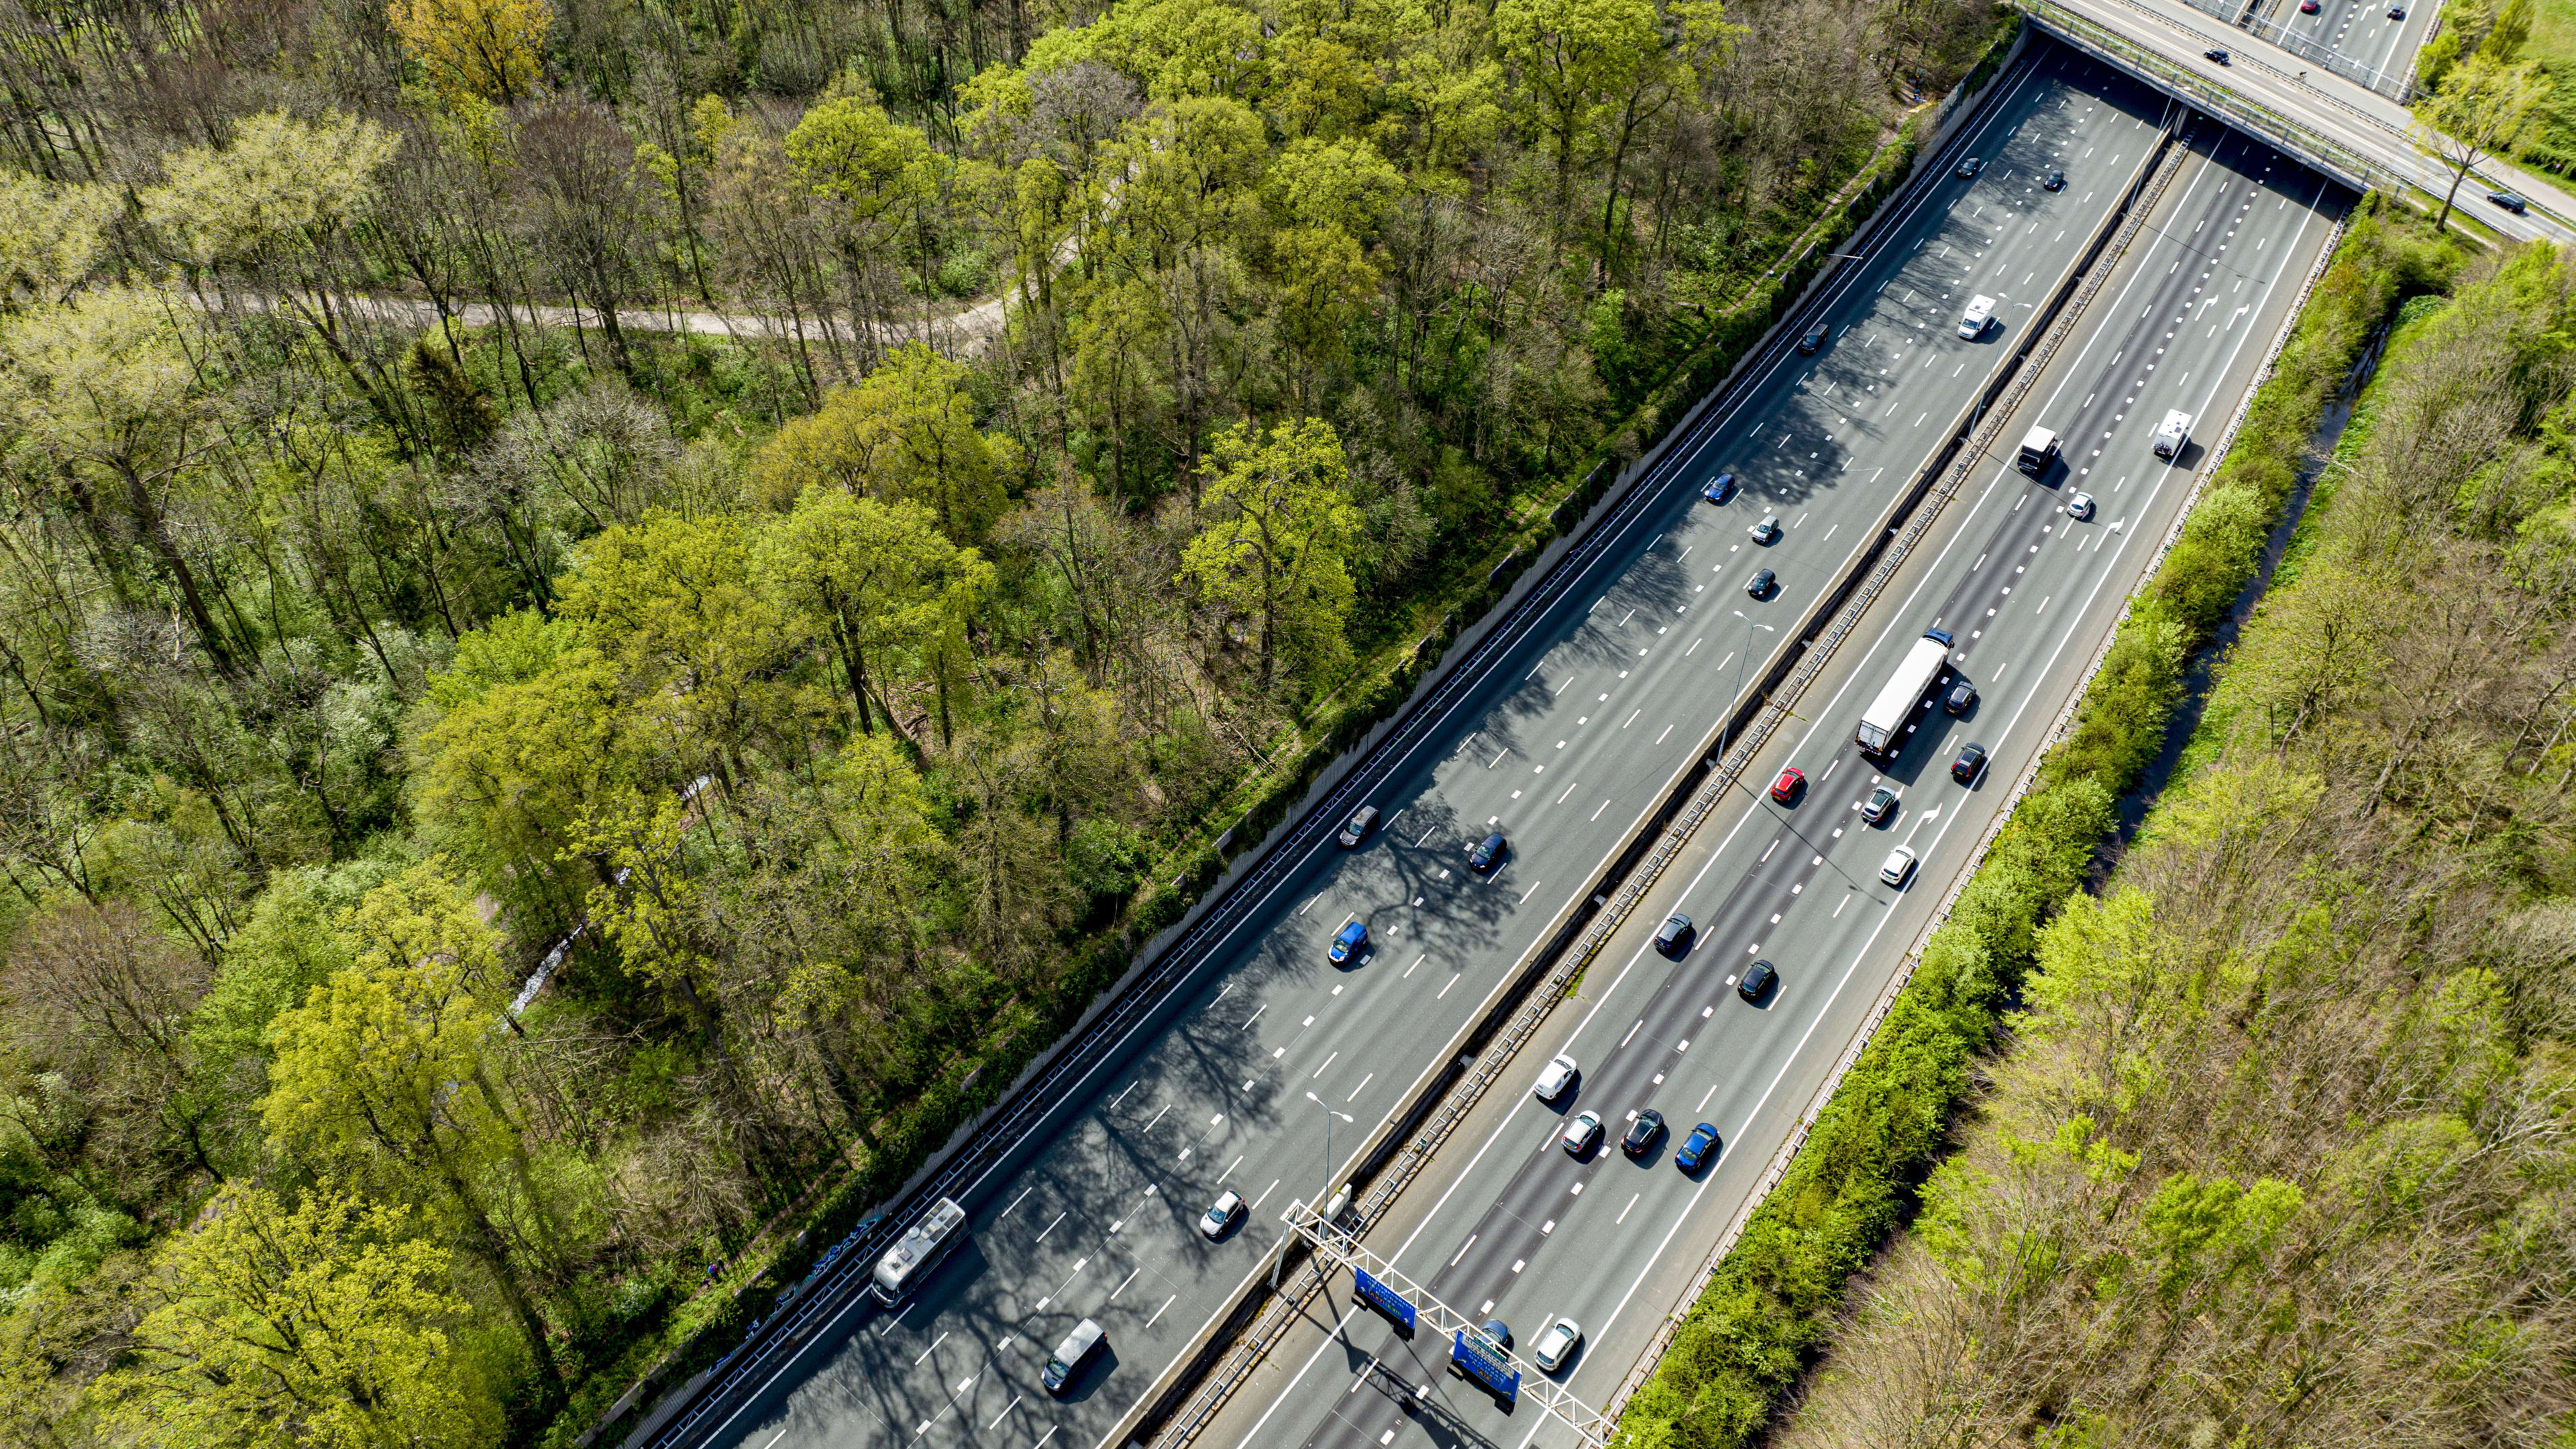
[1882,729]
[2037,448]
[1972,323]
[2171,435]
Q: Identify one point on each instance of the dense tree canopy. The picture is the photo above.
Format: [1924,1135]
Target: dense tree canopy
[604,605]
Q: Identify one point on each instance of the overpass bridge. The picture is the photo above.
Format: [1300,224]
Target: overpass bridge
[2348,126]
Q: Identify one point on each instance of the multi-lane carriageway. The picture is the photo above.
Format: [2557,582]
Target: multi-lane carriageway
[1562,741]
[1507,1223]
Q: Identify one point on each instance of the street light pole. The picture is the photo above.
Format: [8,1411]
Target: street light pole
[1280,1263]
[1724,724]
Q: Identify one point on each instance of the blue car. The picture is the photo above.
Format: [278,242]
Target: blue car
[1349,942]
[1700,1145]
[1719,489]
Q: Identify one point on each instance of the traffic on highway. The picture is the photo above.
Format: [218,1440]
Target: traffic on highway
[1310,1022]
[1552,1232]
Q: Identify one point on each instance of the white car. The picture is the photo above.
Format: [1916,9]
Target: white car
[2080,507]
[1556,1344]
[1222,1214]
[1581,1134]
[1554,1078]
[1899,867]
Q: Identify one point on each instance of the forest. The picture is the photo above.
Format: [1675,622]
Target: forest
[2279,1147]
[610,612]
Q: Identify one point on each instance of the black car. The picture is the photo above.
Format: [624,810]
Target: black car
[1961,698]
[2056,182]
[1969,167]
[1880,804]
[2510,202]
[1758,981]
[1641,1134]
[1813,339]
[1675,937]
[1759,586]
[1971,762]
[2216,54]
[1486,853]
[2396,12]
[1363,820]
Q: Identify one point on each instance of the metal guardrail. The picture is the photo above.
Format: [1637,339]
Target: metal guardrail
[2248,18]
[2313,148]
[1990,438]
[1564,958]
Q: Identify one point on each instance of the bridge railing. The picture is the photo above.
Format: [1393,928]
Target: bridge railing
[2323,152]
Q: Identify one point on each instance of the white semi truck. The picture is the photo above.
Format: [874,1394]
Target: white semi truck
[1882,728]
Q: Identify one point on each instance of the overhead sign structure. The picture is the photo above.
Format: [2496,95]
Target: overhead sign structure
[1374,1294]
[1479,1360]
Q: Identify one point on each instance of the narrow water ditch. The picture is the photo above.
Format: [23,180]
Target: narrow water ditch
[2185,721]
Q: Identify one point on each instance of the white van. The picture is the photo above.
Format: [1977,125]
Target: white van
[2171,434]
[1972,323]
[1070,1356]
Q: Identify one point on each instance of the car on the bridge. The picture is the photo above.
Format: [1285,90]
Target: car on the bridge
[1581,1135]
[1719,489]
[1767,531]
[1758,980]
[1696,1148]
[1640,1137]
[1899,867]
[1961,699]
[2056,182]
[2214,53]
[1222,1215]
[1791,781]
[2080,507]
[1487,853]
[1964,769]
[2308,7]
[1362,821]
[1556,1344]
[1761,584]
[1880,804]
[2510,202]
[1675,936]
[1554,1078]
[1813,338]
[1349,942]
[1970,167]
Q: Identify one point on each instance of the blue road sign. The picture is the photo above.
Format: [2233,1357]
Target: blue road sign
[1475,1357]
[1385,1300]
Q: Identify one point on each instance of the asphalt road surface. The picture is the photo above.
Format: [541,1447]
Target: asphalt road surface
[1520,1229]
[2361,31]
[1562,747]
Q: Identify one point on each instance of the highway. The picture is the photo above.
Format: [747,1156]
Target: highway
[2360,31]
[1563,745]
[1506,1223]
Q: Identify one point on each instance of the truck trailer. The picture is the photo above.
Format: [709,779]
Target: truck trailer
[1882,729]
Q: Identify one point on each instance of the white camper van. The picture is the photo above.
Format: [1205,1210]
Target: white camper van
[2171,434]
[1972,323]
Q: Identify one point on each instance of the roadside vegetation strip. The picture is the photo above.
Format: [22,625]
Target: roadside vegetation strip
[1768,1307]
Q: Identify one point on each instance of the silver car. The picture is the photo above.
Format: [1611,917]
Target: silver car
[1899,867]
[1556,1344]
[2080,507]
[1554,1078]
[1582,1134]
[1222,1215]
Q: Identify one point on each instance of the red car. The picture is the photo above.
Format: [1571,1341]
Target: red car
[1785,789]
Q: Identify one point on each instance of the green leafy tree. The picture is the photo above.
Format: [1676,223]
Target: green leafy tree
[1573,57]
[879,578]
[382,1076]
[1275,547]
[905,433]
[326,1325]
[878,177]
[2481,111]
